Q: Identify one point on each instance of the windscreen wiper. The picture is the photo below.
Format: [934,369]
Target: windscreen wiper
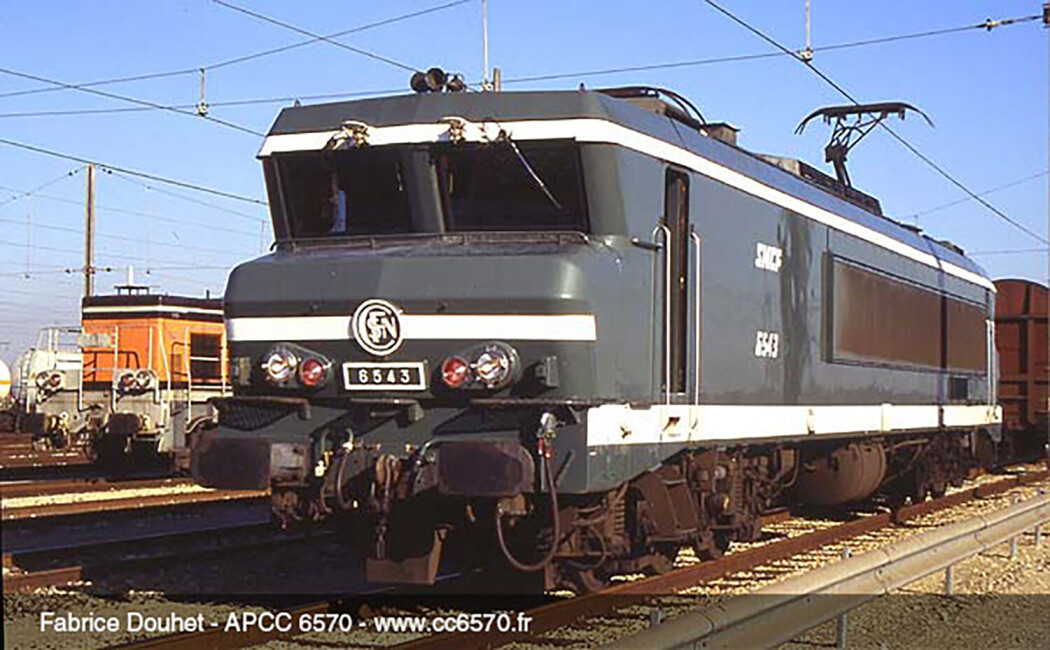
[505,137]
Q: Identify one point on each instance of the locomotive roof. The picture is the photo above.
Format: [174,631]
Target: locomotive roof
[554,106]
[148,306]
[152,300]
[430,108]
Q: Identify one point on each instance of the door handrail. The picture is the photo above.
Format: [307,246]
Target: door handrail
[662,229]
[697,244]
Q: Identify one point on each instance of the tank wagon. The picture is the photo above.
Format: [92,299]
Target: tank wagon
[133,379]
[567,333]
[1021,339]
[8,415]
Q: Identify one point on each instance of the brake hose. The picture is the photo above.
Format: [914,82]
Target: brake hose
[514,562]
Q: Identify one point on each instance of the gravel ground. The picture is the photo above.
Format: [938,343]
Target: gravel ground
[997,602]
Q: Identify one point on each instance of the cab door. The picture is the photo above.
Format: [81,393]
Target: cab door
[677,278]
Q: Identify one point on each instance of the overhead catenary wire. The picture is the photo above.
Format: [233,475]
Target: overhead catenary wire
[72,251]
[326,39]
[150,188]
[155,217]
[28,193]
[231,103]
[127,238]
[37,273]
[139,213]
[242,58]
[133,172]
[133,100]
[998,188]
[907,145]
[987,25]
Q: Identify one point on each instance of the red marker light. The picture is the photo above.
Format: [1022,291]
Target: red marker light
[455,372]
[312,372]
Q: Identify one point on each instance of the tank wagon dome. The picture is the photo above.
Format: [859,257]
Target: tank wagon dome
[5,380]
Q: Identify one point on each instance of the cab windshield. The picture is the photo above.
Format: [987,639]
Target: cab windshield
[411,189]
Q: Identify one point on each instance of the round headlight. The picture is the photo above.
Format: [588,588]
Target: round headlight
[280,366]
[493,367]
[144,379]
[41,379]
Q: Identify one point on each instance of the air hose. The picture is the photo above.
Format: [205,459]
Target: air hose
[536,566]
[340,500]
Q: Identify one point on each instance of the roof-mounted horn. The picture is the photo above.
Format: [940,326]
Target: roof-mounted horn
[436,80]
[848,132]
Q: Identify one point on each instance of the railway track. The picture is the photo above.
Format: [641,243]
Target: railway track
[19,456]
[62,566]
[650,594]
[20,461]
[56,532]
[99,485]
[49,509]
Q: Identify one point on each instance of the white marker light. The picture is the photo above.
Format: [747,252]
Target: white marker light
[280,366]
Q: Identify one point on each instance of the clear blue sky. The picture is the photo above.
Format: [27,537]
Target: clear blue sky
[986,92]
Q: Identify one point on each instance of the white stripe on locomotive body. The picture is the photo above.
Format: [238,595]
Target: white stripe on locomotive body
[151,309]
[445,327]
[597,130]
[619,424]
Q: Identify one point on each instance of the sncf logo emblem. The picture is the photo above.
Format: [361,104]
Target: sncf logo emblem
[376,327]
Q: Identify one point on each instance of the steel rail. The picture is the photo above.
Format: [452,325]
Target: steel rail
[32,458]
[49,510]
[782,611]
[101,558]
[86,485]
[567,612]
[15,582]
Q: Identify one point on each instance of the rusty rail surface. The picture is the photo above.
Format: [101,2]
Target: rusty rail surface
[128,503]
[18,457]
[80,486]
[16,581]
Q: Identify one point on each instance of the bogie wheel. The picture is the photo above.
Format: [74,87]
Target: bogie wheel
[662,559]
[939,487]
[716,546]
[113,452]
[585,581]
